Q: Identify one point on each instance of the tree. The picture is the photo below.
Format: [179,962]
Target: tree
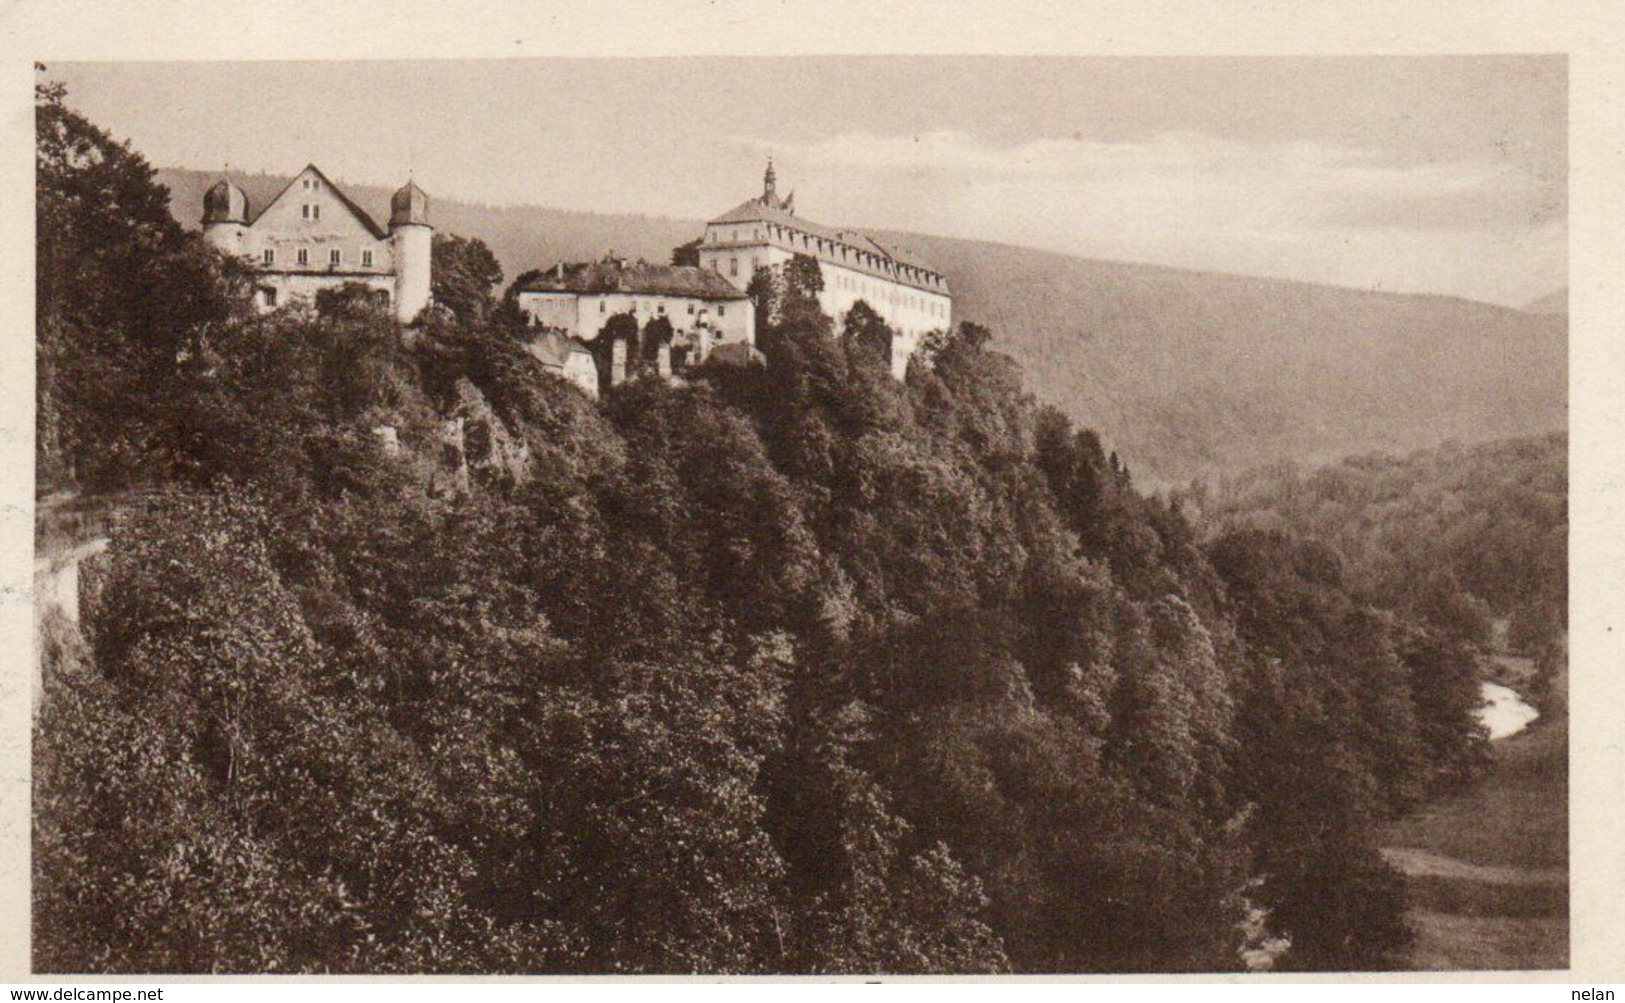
[687,255]
[803,277]
[122,293]
[464,276]
[867,332]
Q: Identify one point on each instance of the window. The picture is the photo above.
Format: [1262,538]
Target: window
[366,258]
[270,296]
[691,309]
[303,256]
[755,265]
[603,306]
[335,257]
[722,309]
[733,266]
[315,212]
[269,255]
[661,308]
[304,210]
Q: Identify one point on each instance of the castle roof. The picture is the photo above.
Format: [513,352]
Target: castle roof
[893,262]
[409,205]
[553,348]
[225,203]
[360,214]
[637,278]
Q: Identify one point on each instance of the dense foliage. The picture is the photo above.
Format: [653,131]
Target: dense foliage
[791,667]
[1461,537]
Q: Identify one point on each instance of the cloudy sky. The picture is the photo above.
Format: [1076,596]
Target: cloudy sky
[1437,174]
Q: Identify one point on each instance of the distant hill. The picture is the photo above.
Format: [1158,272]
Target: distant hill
[1553,302]
[1184,373]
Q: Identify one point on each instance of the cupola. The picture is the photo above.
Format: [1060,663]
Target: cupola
[409,206]
[225,203]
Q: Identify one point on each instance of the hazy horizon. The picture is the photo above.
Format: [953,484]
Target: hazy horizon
[1444,175]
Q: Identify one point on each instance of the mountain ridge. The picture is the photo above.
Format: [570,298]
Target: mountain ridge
[1556,301]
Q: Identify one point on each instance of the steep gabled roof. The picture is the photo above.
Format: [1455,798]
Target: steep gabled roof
[639,278]
[355,210]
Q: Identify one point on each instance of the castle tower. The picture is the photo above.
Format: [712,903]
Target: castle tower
[411,238]
[770,185]
[225,217]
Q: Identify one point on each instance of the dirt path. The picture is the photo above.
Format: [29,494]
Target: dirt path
[1421,863]
[1487,870]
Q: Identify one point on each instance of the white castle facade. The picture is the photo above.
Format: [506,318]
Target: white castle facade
[578,299]
[763,232]
[311,237]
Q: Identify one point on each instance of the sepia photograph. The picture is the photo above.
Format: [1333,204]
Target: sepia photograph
[820,515]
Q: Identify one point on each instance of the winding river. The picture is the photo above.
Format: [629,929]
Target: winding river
[1504,712]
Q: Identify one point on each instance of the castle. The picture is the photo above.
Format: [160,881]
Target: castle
[765,231]
[311,237]
[704,312]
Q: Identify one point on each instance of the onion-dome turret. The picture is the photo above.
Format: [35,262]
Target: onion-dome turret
[409,206]
[225,203]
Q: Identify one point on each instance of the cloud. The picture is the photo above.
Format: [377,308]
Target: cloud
[1304,180]
[1303,209]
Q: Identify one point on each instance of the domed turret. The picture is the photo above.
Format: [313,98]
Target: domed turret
[409,207]
[225,203]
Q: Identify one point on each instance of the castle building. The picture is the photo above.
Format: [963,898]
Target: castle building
[566,358]
[311,236]
[765,231]
[578,300]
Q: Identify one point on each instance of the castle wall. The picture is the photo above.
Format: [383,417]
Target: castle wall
[311,217]
[295,286]
[911,311]
[583,315]
[413,245]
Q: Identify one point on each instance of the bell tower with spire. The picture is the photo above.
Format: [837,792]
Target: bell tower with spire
[770,185]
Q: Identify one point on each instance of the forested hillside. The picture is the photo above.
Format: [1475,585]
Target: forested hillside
[1186,373]
[1485,523]
[789,667]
